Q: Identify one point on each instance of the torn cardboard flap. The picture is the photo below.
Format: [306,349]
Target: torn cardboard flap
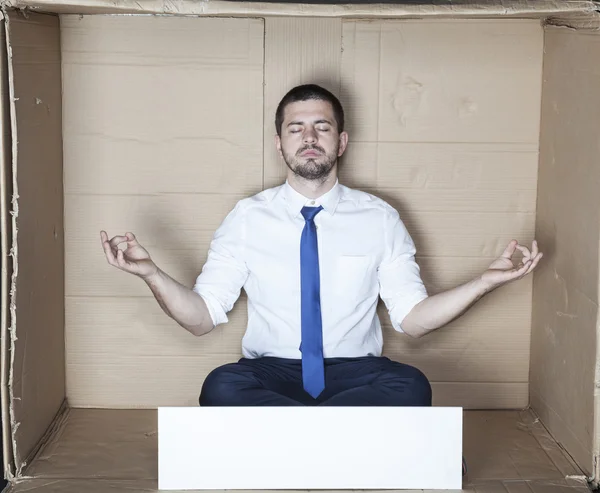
[8,415]
[440,9]
[36,382]
[6,208]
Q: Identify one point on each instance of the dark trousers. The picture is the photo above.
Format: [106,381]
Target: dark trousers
[364,381]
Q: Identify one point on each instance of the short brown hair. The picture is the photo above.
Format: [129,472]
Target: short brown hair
[309,92]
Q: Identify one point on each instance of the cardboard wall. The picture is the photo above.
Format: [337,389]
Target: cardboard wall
[565,303]
[163,135]
[444,122]
[37,372]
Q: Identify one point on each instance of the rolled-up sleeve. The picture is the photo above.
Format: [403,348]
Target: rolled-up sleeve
[225,271]
[400,283]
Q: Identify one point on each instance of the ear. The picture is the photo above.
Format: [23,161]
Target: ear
[278,145]
[343,143]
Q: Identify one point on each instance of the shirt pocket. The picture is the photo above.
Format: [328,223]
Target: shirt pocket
[353,276]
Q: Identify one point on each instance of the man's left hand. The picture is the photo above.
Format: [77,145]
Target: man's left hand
[503,270]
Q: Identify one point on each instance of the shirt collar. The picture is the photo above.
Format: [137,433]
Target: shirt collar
[296,201]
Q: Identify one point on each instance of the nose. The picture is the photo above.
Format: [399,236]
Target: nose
[310,136]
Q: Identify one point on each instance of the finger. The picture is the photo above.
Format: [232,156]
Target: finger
[522,269]
[103,237]
[525,251]
[121,262]
[516,273]
[117,240]
[536,261]
[510,249]
[108,252]
[120,258]
[131,239]
[534,249]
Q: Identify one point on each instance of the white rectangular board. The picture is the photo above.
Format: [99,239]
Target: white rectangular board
[309,448]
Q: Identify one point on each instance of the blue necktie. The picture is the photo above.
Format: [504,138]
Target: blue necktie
[313,372]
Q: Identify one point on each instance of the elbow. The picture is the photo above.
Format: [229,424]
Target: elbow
[199,329]
[413,323]
[411,327]
[414,332]
[196,330]
[203,322]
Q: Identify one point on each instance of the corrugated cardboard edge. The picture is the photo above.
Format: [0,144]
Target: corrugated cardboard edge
[490,8]
[5,198]
[11,333]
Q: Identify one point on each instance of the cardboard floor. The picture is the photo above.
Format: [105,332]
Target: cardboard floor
[97,451]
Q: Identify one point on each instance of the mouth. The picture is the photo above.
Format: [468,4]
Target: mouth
[310,153]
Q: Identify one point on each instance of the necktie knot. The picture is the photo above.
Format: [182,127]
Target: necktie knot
[309,213]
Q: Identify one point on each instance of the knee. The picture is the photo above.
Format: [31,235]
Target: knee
[420,389]
[218,387]
[412,386]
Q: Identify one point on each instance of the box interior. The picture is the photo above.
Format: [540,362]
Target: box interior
[477,130]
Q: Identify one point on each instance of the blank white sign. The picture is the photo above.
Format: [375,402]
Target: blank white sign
[309,448]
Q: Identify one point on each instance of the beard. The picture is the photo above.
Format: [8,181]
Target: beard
[313,168]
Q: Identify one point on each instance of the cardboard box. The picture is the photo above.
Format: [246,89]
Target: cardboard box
[479,122]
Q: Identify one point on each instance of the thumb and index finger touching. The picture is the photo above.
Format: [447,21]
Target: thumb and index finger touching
[509,251]
[116,240]
[111,247]
[530,258]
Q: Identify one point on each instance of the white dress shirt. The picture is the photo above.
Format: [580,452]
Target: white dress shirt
[364,250]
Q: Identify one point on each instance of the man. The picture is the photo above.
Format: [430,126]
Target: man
[313,257]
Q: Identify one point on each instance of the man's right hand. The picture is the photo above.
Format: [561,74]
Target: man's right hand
[134,259]
[180,303]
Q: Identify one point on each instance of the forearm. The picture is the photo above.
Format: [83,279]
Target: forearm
[180,303]
[440,309]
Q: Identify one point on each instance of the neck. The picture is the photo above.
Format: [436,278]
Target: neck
[312,189]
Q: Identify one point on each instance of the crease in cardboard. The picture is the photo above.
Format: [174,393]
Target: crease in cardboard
[589,22]
[53,434]
[40,487]
[564,451]
[14,425]
[530,422]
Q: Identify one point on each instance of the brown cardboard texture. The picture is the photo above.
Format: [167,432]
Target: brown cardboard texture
[36,379]
[477,121]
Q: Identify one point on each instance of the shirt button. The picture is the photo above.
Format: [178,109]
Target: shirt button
[312,202]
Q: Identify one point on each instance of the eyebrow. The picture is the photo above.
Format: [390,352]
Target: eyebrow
[296,122]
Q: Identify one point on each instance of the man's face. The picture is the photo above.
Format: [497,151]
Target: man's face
[310,143]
